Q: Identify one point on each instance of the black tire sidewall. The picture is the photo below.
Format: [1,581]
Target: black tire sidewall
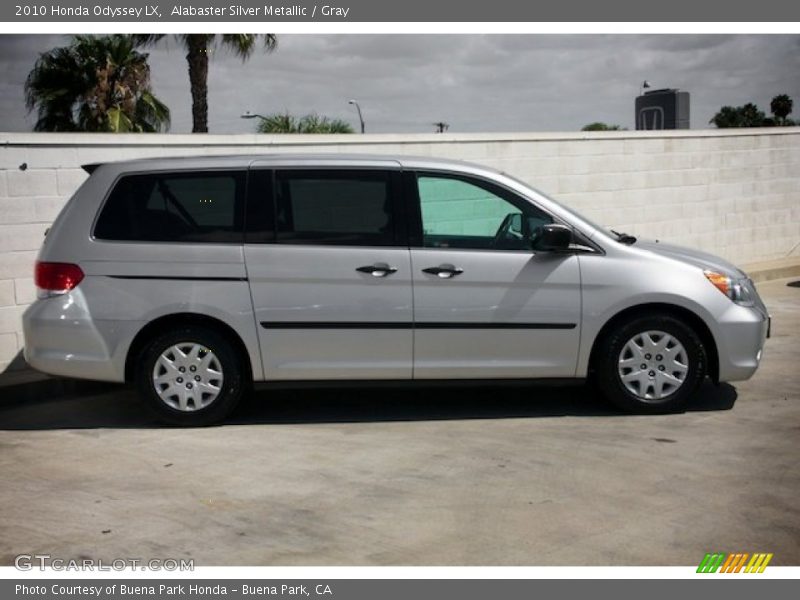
[232,384]
[608,370]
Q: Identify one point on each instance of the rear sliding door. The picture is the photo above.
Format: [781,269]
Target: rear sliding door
[329,270]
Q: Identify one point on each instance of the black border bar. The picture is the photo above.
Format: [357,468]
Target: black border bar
[408,11]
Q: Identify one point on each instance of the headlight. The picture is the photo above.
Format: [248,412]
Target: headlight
[738,290]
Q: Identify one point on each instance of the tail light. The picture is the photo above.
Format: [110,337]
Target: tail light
[54,278]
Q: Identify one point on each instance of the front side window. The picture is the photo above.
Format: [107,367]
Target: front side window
[347,207]
[175,207]
[458,212]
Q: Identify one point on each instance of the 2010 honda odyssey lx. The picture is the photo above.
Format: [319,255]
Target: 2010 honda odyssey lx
[194,277]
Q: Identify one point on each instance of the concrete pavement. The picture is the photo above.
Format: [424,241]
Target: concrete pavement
[532,475]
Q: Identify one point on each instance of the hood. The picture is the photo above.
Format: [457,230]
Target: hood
[704,260]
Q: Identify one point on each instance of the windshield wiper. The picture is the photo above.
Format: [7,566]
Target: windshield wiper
[624,238]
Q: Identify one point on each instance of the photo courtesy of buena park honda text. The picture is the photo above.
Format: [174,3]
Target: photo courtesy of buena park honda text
[398,300]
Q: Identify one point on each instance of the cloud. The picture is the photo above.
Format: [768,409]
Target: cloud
[405,83]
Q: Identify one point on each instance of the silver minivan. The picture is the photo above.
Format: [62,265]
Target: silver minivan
[195,277]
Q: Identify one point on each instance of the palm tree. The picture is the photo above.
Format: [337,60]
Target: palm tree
[748,115]
[727,116]
[94,84]
[313,123]
[197,47]
[752,116]
[781,106]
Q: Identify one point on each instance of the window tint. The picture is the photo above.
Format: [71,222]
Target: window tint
[347,207]
[175,207]
[461,213]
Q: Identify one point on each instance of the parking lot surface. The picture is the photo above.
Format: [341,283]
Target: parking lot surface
[528,475]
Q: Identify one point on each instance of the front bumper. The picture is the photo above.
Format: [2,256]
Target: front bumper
[742,333]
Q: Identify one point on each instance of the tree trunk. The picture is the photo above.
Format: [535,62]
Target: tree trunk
[197,57]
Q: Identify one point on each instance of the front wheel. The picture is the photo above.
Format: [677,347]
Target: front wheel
[190,377]
[651,364]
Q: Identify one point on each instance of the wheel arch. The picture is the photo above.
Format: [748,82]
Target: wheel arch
[692,319]
[171,321]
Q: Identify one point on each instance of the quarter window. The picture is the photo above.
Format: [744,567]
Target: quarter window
[174,207]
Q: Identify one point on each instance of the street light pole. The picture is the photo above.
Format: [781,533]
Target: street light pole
[358,108]
[249,115]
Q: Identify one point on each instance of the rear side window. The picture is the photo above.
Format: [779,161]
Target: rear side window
[175,207]
[347,207]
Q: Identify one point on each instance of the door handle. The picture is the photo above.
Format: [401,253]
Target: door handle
[377,270]
[444,271]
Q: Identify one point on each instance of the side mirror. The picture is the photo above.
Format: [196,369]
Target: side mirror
[552,237]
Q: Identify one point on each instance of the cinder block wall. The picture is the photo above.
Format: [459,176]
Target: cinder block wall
[735,193]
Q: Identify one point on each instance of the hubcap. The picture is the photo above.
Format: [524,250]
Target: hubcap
[180,391]
[653,365]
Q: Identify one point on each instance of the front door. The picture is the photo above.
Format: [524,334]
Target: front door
[329,272]
[486,305]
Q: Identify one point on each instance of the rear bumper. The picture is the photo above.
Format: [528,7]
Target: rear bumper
[61,338]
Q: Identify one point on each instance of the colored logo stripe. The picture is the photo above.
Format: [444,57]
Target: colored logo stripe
[711,563]
[734,563]
[758,563]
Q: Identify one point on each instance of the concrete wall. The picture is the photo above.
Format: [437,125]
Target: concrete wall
[734,193]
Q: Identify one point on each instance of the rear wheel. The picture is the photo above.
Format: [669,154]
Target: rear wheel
[651,364]
[190,377]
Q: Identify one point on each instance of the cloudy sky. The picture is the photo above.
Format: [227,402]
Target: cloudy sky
[405,83]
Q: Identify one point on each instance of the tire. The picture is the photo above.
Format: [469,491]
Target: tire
[664,345]
[205,392]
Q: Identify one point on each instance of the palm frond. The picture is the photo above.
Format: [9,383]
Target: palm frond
[153,114]
[311,123]
[145,40]
[241,44]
